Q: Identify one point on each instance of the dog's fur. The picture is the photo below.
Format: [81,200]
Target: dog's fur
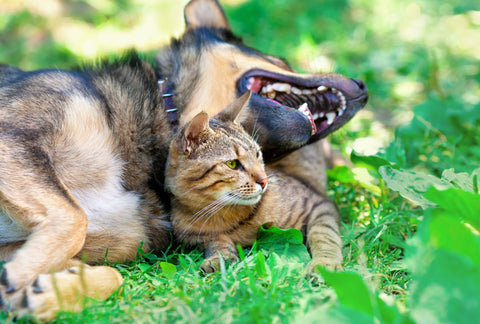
[82,155]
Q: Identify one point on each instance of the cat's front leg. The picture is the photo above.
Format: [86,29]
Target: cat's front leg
[323,236]
[223,248]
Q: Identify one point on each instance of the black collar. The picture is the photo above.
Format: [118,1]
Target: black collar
[167,90]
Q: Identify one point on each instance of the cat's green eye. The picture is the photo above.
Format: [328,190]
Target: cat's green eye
[232,164]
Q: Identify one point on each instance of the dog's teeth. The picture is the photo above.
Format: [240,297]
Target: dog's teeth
[283,87]
[322,88]
[296,91]
[343,101]
[330,117]
[316,116]
[267,88]
[303,108]
[307,92]
[340,112]
[321,114]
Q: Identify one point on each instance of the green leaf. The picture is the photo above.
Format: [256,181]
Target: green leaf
[447,291]
[354,295]
[144,267]
[270,236]
[372,163]
[463,204]
[337,315]
[168,269]
[286,243]
[350,289]
[412,185]
[462,180]
[447,232]
[444,259]
[341,173]
[260,266]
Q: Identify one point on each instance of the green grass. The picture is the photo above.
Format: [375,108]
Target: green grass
[412,253]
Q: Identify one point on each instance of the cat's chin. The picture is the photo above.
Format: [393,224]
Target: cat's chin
[246,201]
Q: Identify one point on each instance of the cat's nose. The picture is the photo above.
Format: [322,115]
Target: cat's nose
[263,182]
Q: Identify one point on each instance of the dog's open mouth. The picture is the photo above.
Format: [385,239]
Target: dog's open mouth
[327,100]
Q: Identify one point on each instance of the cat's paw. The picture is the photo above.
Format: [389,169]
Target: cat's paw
[329,264]
[212,264]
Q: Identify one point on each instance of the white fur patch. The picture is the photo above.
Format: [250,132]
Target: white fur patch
[109,207]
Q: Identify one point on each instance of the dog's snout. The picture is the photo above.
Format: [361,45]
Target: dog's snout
[360,84]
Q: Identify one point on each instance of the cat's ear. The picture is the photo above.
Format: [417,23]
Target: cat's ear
[205,13]
[232,113]
[196,131]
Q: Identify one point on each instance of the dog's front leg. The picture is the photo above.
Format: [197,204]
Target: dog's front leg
[58,229]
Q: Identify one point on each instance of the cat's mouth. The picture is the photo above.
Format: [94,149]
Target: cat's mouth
[328,101]
[246,199]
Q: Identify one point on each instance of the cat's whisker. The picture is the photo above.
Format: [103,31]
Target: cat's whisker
[224,203]
[207,211]
[255,132]
[273,176]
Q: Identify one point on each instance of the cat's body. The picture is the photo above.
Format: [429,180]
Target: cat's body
[221,195]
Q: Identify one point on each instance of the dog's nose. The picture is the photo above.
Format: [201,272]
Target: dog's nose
[360,84]
[263,182]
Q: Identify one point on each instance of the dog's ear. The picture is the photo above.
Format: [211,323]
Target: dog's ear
[205,13]
[234,110]
[195,132]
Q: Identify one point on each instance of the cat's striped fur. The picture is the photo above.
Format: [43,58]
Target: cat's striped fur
[222,196]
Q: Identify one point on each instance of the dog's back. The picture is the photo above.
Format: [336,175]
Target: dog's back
[81,162]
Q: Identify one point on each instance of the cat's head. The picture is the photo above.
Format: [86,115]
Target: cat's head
[215,160]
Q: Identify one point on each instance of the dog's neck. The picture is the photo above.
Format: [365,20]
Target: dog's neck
[167,90]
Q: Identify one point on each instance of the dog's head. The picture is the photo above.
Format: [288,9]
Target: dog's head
[210,67]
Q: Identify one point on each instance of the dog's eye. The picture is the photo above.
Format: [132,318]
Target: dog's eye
[258,154]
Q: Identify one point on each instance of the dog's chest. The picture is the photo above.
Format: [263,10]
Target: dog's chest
[109,207]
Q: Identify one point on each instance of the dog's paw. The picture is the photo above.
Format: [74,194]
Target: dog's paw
[67,290]
[50,293]
[10,295]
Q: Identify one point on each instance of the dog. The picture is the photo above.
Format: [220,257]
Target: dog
[83,152]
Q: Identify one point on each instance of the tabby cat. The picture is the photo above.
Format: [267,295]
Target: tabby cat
[222,194]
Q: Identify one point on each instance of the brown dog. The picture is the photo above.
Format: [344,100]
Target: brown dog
[83,152]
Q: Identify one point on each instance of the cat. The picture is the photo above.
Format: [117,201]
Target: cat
[222,194]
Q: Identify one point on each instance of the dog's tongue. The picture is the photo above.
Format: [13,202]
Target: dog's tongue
[304,110]
[255,85]
[274,101]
